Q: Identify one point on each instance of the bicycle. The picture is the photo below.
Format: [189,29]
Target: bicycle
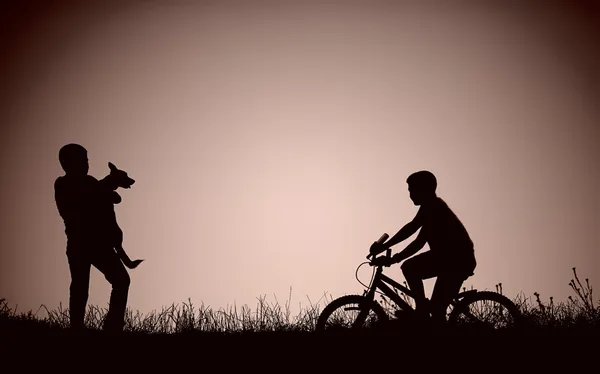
[370,312]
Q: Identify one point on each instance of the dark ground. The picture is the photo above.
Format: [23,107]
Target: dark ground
[29,347]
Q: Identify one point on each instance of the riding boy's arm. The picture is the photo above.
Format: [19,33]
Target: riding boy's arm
[406,231]
[412,248]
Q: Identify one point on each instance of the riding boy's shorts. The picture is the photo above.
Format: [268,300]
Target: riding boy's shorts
[432,264]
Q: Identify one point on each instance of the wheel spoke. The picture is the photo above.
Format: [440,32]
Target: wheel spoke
[347,313]
[471,317]
[487,310]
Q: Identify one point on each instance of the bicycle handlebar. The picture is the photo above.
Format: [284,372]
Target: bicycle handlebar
[381,240]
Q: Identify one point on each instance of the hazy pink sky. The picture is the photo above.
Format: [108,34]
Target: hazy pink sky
[271,143]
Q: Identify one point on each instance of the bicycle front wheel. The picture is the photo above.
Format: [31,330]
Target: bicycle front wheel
[350,312]
[485,310]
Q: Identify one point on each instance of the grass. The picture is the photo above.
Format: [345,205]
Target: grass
[179,319]
[189,337]
[580,311]
[187,334]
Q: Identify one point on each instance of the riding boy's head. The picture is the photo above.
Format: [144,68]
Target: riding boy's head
[422,186]
[73,159]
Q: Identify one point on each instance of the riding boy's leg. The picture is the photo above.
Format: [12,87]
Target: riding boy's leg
[446,287]
[115,273]
[415,269]
[79,267]
[456,270]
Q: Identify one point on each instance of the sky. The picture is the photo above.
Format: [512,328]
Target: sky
[271,141]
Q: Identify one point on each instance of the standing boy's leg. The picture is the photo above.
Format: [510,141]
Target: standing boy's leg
[79,267]
[115,273]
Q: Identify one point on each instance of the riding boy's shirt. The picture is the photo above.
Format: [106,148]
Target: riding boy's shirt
[444,232]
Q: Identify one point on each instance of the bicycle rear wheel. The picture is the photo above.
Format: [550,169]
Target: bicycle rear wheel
[485,311]
[350,311]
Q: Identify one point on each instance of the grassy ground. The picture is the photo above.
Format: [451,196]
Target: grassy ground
[242,337]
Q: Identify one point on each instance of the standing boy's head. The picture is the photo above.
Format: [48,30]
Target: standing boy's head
[73,159]
[422,186]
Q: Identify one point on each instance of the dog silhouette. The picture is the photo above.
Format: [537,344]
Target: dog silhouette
[109,184]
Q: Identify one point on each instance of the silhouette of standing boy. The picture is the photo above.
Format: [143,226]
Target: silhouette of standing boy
[81,203]
[451,257]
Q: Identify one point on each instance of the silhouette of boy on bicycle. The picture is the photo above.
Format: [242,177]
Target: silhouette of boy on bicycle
[451,257]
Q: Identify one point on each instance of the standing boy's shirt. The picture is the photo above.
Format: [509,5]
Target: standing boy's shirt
[445,233]
[78,201]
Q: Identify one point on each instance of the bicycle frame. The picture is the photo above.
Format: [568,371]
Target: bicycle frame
[383,282]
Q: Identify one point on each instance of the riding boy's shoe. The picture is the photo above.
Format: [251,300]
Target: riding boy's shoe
[401,314]
[438,319]
[423,309]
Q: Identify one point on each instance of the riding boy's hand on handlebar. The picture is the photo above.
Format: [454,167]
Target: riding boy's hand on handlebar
[382,261]
[376,248]
[387,261]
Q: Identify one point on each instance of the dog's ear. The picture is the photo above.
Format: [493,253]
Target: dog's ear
[112,167]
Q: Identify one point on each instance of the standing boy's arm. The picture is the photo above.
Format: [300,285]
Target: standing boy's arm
[60,198]
[67,207]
